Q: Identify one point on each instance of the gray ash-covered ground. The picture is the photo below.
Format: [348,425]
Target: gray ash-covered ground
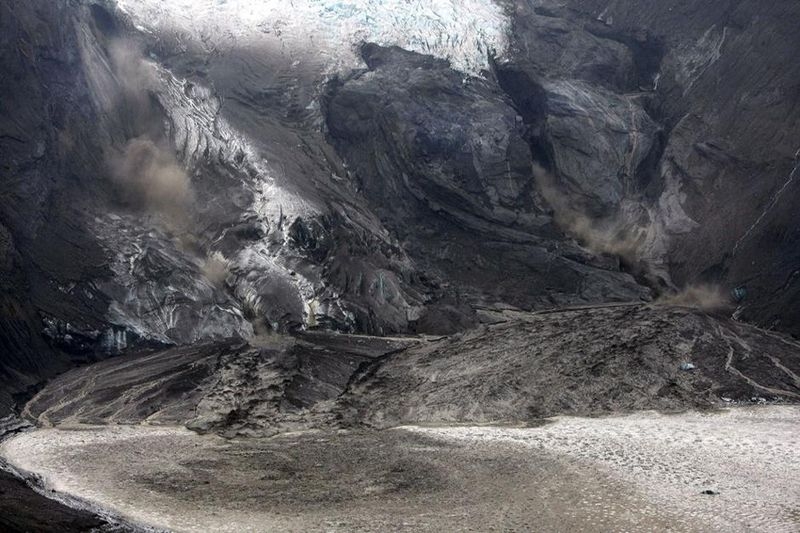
[24,510]
[583,361]
[286,431]
[641,472]
[273,384]
[520,367]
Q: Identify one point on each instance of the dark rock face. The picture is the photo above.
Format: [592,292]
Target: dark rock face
[715,89]
[24,510]
[166,188]
[443,162]
[48,262]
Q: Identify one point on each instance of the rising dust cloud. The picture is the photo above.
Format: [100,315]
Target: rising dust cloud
[150,178]
[602,237]
[703,297]
[216,268]
[616,237]
[145,171]
[135,79]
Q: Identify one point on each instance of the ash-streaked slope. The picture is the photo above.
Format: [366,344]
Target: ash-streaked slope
[319,183]
[519,369]
[271,226]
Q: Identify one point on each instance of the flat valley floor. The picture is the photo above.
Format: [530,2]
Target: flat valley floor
[729,470]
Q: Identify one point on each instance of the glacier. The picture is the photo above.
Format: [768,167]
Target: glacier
[465,32]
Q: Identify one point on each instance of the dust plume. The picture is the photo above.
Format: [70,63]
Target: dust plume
[145,171]
[149,177]
[135,80]
[616,237]
[216,268]
[130,67]
[600,236]
[704,297]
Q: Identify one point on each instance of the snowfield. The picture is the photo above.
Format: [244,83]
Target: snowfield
[639,472]
[462,31]
[748,457]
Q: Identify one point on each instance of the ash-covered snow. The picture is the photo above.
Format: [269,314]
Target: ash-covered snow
[641,472]
[464,31]
[747,457]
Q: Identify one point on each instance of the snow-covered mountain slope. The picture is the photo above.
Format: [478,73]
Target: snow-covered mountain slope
[326,32]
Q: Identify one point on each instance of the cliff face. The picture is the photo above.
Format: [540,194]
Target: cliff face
[45,250]
[171,180]
[719,81]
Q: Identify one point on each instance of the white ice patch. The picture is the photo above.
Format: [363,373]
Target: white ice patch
[462,31]
[748,456]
